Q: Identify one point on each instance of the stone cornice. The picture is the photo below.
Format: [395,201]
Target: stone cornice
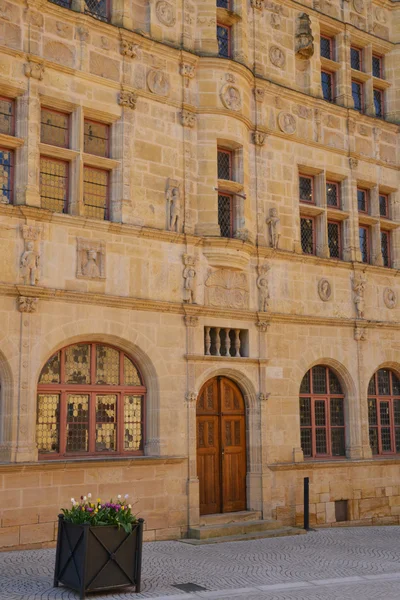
[94,463]
[332,464]
[224,359]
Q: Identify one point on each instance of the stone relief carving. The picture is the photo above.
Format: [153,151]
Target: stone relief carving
[358,6]
[353,162]
[360,333]
[188,72]
[380,15]
[165,13]
[302,111]
[191,321]
[259,94]
[259,138]
[129,49]
[276,20]
[90,259]
[263,287]
[27,305]
[30,264]
[230,78]
[304,37]
[274,228]
[358,283]
[228,289]
[287,123]
[231,98]
[34,69]
[191,397]
[258,4]
[324,290]
[127,99]
[262,326]
[189,276]
[158,82]
[277,57]
[188,118]
[173,198]
[390,298]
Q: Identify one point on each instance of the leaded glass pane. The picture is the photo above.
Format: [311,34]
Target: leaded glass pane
[307,235]
[305,435]
[131,374]
[372,412]
[362,200]
[337,442]
[356,89]
[319,380]
[337,412]
[97,9]
[378,103]
[6,175]
[224,165]
[306,189]
[305,384]
[106,423]
[51,371]
[334,384]
[383,382]
[371,387]
[327,85]
[385,248]
[384,413]
[77,364]
[223,38]
[326,47]
[96,138]
[334,239]
[332,194]
[47,429]
[364,245]
[77,423]
[386,439]
[320,413]
[107,365]
[355,59]
[320,441]
[6,116]
[132,422]
[223,4]
[395,385]
[54,128]
[373,440]
[95,193]
[377,66]
[53,184]
[305,412]
[63,3]
[397,438]
[383,206]
[396,412]
[225,215]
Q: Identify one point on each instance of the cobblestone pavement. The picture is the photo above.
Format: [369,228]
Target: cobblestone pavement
[334,564]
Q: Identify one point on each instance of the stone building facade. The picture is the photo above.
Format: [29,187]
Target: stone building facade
[199,204]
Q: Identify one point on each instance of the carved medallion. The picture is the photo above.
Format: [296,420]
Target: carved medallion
[165,13]
[277,57]
[358,6]
[91,259]
[231,98]
[229,289]
[390,298]
[158,82]
[287,122]
[380,15]
[324,290]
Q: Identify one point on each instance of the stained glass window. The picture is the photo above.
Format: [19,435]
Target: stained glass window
[7,116]
[384,412]
[6,175]
[307,235]
[224,41]
[322,417]
[95,193]
[90,402]
[54,184]
[54,128]
[96,138]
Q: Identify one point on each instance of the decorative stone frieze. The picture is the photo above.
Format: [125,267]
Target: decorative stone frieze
[30,261]
[129,49]
[274,228]
[390,298]
[304,37]
[165,13]
[227,289]
[324,290]
[128,99]
[34,69]
[189,276]
[158,82]
[358,283]
[263,287]
[90,259]
[231,97]
[188,118]
[27,304]
[277,57]
[259,138]
[287,122]
[173,201]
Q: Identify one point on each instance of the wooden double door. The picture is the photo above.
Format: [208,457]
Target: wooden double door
[221,447]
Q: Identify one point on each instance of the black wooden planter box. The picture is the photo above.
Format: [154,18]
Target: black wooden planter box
[90,559]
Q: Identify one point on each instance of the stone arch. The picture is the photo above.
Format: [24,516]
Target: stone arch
[7,408]
[387,364]
[347,381]
[126,338]
[245,384]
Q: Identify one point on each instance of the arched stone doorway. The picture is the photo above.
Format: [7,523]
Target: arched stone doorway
[221,447]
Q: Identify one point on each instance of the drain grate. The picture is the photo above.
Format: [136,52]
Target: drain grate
[189,587]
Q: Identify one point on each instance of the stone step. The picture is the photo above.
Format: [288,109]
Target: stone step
[227,529]
[233,517]
[256,535]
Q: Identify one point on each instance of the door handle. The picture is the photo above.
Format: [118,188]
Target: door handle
[223,451]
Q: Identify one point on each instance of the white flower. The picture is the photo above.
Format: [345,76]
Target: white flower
[119,496]
[73,501]
[129,505]
[89,496]
[84,498]
[126,496]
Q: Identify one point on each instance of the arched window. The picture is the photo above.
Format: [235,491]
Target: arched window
[322,414]
[90,402]
[384,412]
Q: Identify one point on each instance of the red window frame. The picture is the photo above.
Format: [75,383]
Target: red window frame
[332,76]
[338,197]
[383,398]
[12,165]
[386,198]
[340,247]
[326,398]
[366,211]
[229,30]
[331,46]
[360,83]
[360,53]
[107,126]
[107,203]
[91,390]
[368,238]
[229,153]
[12,102]
[382,95]
[312,201]
[314,238]
[389,247]
[380,58]
[59,112]
[56,160]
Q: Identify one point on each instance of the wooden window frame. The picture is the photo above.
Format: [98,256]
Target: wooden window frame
[12,175]
[328,427]
[331,46]
[368,237]
[382,95]
[107,206]
[229,30]
[332,76]
[87,120]
[359,50]
[389,245]
[311,178]
[386,196]
[230,154]
[337,185]
[66,202]
[13,119]
[390,398]
[366,191]
[380,58]
[339,224]
[360,83]
[59,112]
[62,389]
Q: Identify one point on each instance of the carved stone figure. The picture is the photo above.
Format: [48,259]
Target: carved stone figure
[173,197]
[353,162]
[231,98]
[259,94]
[360,334]
[274,228]
[390,298]
[127,99]
[359,282]
[27,304]
[259,138]
[324,290]
[304,37]
[30,264]
[165,13]
[158,82]
[275,20]
[34,69]
[263,287]
[188,119]
[287,122]
[129,48]
[358,6]
[258,4]
[228,289]
[91,256]
[277,57]
[189,275]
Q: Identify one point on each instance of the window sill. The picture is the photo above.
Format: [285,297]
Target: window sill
[329,65]
[101,162]
[364,219]
[78,463]
[381,84]
[337,214]
[229,186]
[227,17]
[57,152]
[10,141]
[388,224]
[360,76]
[310,210]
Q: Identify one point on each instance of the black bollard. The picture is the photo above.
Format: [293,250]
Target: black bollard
[307,503]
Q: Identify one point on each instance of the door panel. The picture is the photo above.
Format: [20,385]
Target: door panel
[233,463]
[208,464]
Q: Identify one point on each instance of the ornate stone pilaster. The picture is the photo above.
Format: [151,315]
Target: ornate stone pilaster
[28,128]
